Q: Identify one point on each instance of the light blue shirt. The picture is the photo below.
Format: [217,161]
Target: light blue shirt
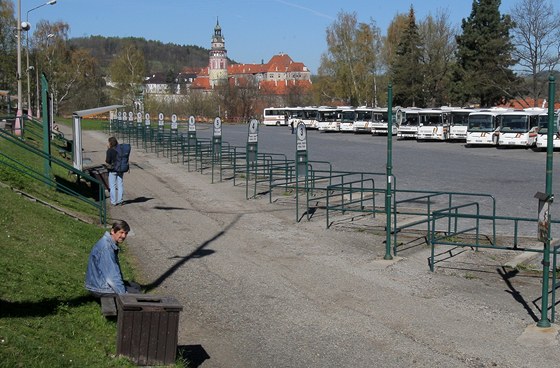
[103,273]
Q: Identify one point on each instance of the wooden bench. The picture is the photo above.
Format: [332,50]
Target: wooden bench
[108,306]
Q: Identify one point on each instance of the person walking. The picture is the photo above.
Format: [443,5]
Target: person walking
[116,185]
[103,274]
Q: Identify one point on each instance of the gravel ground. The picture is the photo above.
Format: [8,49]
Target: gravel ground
[261,290]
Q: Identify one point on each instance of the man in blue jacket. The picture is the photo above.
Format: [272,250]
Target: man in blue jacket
[103,275]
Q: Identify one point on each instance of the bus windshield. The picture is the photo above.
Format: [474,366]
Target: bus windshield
[460,118]
[515,123]
[348,116]
[411,119]
[481,123]
[328,115]
[363,115]
[543,124]
[431,119]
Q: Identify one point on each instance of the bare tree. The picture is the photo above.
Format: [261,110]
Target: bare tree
[439,55]
[351,61]
[536,36]
[127,72]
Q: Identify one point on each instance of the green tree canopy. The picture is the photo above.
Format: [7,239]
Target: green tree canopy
[8,46]
[406,70]
[484,55]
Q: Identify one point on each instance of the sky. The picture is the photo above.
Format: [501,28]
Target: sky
[254,30]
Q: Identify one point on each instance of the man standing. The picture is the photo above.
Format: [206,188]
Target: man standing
[103,274]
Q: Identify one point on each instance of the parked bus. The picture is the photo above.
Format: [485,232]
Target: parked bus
[310,116]
[408,121]
[542,134]
[347,118]
[434,125]
[483,126]
[327,119]
[519,127]
[380,122]
[275,116]
[295,115]
[364,119]
[458,123]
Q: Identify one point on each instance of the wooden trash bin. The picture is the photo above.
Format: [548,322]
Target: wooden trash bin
[147,328]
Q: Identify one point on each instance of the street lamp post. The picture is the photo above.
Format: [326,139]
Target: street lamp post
[18,122]
[29,110]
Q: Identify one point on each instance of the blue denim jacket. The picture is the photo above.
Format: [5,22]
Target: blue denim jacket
[103,273]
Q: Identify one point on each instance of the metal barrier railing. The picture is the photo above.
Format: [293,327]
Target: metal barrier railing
[37,174]
[465,230]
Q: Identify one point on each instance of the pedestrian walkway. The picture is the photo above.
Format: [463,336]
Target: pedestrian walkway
[260,290]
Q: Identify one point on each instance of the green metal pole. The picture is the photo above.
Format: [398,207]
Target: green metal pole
[46,126]
[544,321]
[388,196]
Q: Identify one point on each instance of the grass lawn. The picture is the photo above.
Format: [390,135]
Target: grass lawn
[47,319]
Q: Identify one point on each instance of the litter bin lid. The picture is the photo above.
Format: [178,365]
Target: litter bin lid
[148,302]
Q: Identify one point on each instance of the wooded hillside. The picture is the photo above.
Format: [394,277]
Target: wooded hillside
[159,57]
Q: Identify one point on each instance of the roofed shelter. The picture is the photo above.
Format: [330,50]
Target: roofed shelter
[77,157]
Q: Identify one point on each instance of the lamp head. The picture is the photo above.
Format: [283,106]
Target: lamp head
[25,26]
[52,2]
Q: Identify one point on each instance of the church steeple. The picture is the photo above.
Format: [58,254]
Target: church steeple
[217,66]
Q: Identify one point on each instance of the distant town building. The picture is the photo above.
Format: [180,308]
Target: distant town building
[276,77]
[279,76]
[217,64]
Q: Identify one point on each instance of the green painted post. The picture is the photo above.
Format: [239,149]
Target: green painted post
[251,154]
[388,197]
[544,321]
[46,126]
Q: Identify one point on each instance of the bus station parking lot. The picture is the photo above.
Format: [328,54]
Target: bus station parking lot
[260,290]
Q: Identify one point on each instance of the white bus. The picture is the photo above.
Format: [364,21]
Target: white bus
[434,125]
[310,115]
[408,121]
[327,119]
[295,115]
[364,117]
[275,116]
[484,126]
[458,123]
[519,127]
[305,115]
[347,118]
[542,134]
[380,121]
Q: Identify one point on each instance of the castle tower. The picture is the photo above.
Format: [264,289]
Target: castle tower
[217,66]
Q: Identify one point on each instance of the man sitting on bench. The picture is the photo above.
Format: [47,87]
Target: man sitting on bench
[103,275]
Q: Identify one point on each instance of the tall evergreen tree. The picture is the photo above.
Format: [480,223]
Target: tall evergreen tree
[484,55]
[406,69]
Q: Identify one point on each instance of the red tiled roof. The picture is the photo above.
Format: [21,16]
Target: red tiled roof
[246,69]
[201,82]
[522,103]
[278,63]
